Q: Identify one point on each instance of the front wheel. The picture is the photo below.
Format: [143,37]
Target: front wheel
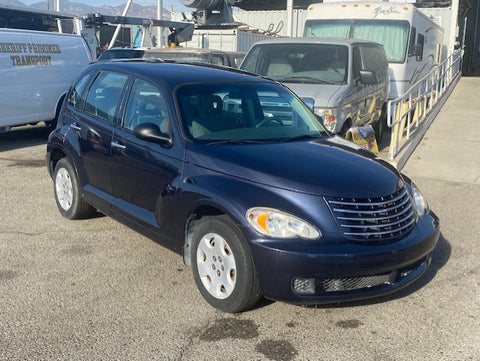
[67,193]
[222,265]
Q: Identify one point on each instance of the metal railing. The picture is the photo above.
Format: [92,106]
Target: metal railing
[405,113]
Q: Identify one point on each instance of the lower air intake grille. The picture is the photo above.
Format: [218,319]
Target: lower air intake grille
[348,284]
[374,219]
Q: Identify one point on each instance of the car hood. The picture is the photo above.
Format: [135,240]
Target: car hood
[324,95]
[326,167]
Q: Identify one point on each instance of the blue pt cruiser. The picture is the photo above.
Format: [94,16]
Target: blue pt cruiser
[235,173]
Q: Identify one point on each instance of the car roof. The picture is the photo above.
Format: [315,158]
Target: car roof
[174,74]
[316,40]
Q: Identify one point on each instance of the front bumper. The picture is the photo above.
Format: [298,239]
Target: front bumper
[347,271]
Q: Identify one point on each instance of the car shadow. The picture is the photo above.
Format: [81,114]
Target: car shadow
[23,137]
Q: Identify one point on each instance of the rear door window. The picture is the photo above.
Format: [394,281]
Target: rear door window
[104,95]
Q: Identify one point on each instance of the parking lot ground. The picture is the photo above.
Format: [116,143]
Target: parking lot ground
[96,290]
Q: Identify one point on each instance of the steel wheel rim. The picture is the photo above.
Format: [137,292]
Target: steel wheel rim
[216,266]
[64,189]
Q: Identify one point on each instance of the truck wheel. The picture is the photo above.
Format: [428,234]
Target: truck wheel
[67,193]
[222,265]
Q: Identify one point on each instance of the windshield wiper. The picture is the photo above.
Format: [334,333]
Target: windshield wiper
[302,137]
[306,79]
[236,141]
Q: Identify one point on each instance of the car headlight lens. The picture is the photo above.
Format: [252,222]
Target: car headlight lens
[277,224]
[329,116]
[421,205]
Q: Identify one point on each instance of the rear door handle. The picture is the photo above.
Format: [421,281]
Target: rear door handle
[75,126]
[117,145]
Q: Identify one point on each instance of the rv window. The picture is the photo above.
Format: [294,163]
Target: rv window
[328,28]
[420,41]
[392,34]
[413,38]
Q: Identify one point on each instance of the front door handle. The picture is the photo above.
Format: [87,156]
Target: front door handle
[75,126]
[117,145]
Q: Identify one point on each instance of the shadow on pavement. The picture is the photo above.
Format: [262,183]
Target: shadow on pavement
[23,137]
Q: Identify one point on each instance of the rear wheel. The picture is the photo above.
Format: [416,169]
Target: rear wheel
[67,193]
[222,265]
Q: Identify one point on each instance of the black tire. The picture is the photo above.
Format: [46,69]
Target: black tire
[67,193]
[241,290]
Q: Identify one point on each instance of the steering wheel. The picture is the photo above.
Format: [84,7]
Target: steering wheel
[334,69]
[265,121]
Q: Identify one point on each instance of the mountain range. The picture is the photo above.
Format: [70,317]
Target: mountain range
[78,8]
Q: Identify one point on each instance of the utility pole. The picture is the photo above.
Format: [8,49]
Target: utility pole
[290,18]
[56,5]
[159,28]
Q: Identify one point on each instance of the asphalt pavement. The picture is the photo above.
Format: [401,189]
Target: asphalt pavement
[96,290]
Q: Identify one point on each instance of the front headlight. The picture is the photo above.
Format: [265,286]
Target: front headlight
[421,205]
[329,116]
[277,224]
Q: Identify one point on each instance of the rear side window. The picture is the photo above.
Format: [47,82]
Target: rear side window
[104,95]
[75,97]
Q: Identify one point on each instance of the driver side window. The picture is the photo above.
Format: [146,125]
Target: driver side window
[145,105]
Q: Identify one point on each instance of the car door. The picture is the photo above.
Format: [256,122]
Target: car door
[143,171]
[93,126]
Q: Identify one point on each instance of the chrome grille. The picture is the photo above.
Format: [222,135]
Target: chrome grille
[374,219]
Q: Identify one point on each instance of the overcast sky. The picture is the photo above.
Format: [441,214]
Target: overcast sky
[167,4]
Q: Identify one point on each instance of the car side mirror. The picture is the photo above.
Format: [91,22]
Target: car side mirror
[151,133]
[368,77]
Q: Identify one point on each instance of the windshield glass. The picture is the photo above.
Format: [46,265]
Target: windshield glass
[300,63]
[121,54]
[244,111]
[393,35]
[180,56]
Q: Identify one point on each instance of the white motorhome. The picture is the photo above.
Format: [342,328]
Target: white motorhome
[36,70]
[412,41]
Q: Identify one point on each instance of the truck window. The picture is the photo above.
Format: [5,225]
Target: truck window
[300,62]
[374,58]
[357,63]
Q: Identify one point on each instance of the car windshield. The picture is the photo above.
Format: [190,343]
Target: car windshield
[121,54]
[181,56]
[300,63]
[243,112]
